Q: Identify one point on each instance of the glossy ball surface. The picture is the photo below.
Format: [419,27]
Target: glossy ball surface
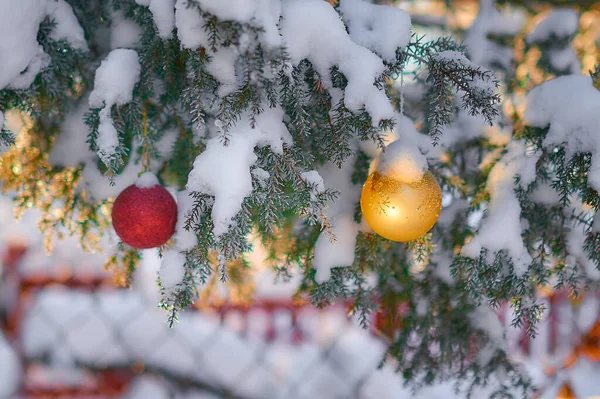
[401,211]
[144,217]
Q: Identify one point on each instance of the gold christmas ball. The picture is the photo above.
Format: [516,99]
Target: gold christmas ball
[400,211]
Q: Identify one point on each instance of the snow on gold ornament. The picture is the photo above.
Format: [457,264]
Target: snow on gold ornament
[401,200]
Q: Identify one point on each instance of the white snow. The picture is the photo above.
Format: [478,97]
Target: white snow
[339,253]
[577,255]
[491,21]
[190,26]
[67,27]
[380,28]
[222,68]
[560,22]
[147,180]
[124,33]
[147,387]
[315,181]
[10,368]
[118,327]
[501,228]
[163,12]
[569,105]
[403,161]
[224,171]
[565,59]
[67,252]
[115,78]
[313,30]
[22,57]
[185,239]
[114,82]
[70,147]
[1,120]
[545,194]
[172,269]
[486,319]
[264,13]
[456,56]
[19,49]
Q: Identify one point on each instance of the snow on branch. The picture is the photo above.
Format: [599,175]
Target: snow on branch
[115,79]
[163,12]
[313,30]
[380,28]
[224,171]
[501,229]
[569,105]
[21,54]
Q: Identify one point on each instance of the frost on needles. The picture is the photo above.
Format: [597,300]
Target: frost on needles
[263,118]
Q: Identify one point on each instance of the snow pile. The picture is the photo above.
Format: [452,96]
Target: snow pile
[492,22]
[224,170]
[501,228]
[569,106]
[313,30]
[559,23]
[113,85]
[380,28]
[163,12]
[339,253]
[402,161]
[22,57]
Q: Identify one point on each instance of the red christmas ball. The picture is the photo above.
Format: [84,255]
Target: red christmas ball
[144,215]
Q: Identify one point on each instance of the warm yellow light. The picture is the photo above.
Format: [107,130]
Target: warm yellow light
[400,211]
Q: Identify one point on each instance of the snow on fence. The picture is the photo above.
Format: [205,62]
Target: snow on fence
[79,337]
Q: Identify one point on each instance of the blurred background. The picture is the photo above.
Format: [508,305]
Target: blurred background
[68,330]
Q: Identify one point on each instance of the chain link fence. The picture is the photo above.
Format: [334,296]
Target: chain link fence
[74,335]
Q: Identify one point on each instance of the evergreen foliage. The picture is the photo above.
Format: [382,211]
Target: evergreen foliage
[177,92]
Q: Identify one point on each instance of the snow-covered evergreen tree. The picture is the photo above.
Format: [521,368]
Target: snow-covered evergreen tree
[263,117]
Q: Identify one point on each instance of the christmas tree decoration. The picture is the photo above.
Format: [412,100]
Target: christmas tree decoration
[144,215]
[266,117]
[400,201]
